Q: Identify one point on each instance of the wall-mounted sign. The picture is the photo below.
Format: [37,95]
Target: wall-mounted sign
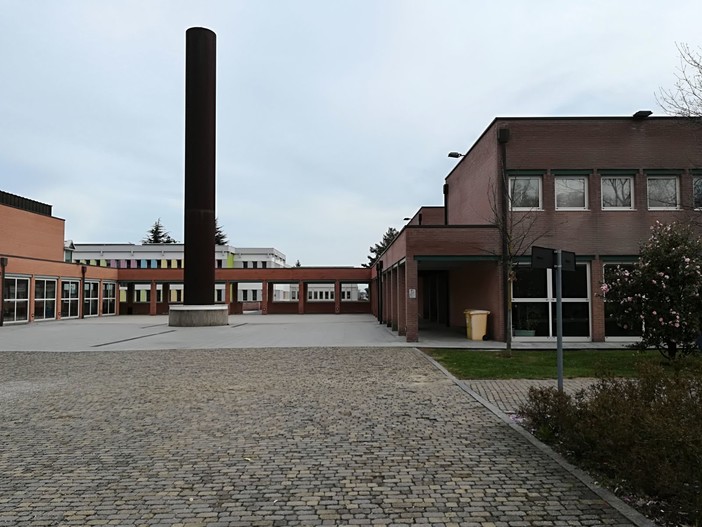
[413,293]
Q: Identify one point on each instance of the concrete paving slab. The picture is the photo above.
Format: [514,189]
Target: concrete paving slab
[244,331]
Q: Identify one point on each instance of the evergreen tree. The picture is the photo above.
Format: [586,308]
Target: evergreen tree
[220,237]
[380,247]
[158,234]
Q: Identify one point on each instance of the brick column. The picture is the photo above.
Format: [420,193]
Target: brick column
[395,304]
[264,298]
[228,296]
[235,308]
[301,297]
[387,301]
[412,306]
[337,297]
[401,301]
[152,300]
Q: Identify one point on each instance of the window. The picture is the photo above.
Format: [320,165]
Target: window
[534,303]
[264,265]
[69,298]
[16,302]
[108,298]
[617,193]
[663,192]
[255,265]
[254,295]
[571,193]
[90,299]
[245,295]
[44,299]
[245,264]
[525,192]
[697,192]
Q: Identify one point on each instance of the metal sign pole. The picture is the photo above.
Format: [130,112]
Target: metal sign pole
[559,318]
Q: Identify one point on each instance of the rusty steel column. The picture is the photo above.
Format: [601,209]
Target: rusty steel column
[200,105]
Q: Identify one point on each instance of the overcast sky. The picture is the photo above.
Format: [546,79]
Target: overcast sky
[334,118]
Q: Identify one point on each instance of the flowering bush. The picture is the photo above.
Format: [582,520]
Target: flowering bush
[662,292]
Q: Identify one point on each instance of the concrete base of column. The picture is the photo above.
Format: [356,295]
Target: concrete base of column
[198,316]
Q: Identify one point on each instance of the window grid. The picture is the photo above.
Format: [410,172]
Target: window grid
[525,193]
[617,192]
[571,192]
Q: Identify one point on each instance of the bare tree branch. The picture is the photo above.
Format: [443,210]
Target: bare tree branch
[685,98]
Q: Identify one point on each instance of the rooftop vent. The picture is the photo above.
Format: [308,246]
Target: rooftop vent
[642,114]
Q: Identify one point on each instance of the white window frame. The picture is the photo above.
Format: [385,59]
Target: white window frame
[696,180]
[677,192]
[71,300]
[631,192]
[87,300]
[109,298]
[541,192]
[550,300]
[557,178]
[15,299]
[44,299]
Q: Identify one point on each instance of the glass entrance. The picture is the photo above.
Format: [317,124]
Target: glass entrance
[534,303]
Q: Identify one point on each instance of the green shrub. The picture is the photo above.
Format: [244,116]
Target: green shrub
[644,434]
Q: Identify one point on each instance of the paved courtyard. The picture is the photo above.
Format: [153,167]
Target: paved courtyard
[267,437]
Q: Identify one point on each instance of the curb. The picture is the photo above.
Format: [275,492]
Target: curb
[625,510]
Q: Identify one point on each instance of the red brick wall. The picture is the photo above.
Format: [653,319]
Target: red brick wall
[430,216]
[476,286]
[471,184]
[591,144]
[30,234]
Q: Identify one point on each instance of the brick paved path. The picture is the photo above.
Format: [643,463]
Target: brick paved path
[266,437]
[509,394]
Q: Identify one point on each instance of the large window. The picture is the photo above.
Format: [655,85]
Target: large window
[44,299]
[534,303]
[571,192]
[525,192]
[91,291]
[16,299]
[663,192]
[697,192]
[109,300]
[617,193]
[70,298]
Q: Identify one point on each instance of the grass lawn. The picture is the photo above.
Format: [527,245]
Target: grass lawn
[523,364]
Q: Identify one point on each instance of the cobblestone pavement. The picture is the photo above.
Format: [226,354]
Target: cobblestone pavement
[266,437]
[509,394]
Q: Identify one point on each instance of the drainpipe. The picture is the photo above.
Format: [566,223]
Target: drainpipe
[502,139]
[446,190]
[3,264]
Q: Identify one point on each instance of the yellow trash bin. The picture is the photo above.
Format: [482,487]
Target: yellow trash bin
[476,323]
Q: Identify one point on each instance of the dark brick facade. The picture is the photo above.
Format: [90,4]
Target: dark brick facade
[548,147]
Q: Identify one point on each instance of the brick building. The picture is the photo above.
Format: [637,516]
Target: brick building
[593,186]
[44,277]
[37,283]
